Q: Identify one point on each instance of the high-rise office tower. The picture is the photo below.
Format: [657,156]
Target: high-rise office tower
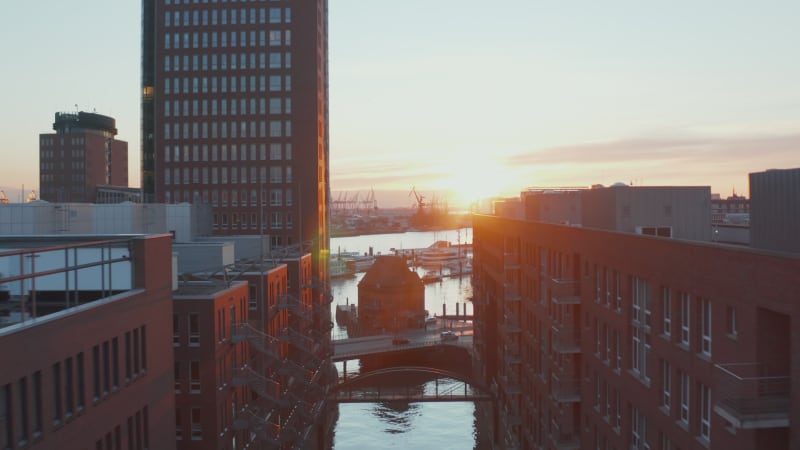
[81,156]
[235,113]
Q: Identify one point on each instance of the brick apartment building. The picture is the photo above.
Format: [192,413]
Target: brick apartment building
[205,316]
[87,364]
[81,157]
[611,340]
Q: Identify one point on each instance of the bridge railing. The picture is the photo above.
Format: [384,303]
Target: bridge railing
[431,342]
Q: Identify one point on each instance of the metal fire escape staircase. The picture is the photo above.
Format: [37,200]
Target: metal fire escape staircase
[291,390]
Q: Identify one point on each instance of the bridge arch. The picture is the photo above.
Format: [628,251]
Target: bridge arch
[351,382]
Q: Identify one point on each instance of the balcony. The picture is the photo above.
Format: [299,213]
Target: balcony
[564,438]
[266,388]
[567,300]
[510,323]
[753,395]
[510,385]
[565,390]
[566,339]
[564,289]
[511,293]
[510,261]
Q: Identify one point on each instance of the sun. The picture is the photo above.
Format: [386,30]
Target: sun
[471,180]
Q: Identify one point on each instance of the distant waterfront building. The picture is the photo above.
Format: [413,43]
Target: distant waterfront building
[80,157]
[605,339]
[87,359]
[733,210]
[775,210]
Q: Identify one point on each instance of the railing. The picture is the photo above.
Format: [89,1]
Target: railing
[510,385]
[266,388]
[566,339]
[511,293]
[753,395]
[510,261]
[453,393]
[260,341]
[80,272]
[259,423]
[564,438]
[566,390]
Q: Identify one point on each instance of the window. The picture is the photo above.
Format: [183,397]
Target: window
[705,320]
[37,403]
[194,385]
[69,382]
[144,348]
[57,404]
[638,430]
[705,412]
[79,397]
[597,284]
[127,361]
[730,321]
[6,416]
[666,310]
[106,368]
[640,327]
[194,329]
[176,328]
[23,410]
[177,376]
[685,317]
[684,412]
[666,386]
[197,428]
[178,427]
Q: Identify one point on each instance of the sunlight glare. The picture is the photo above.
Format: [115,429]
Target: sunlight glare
[472,180]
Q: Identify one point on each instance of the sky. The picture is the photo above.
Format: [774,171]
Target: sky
[462,98]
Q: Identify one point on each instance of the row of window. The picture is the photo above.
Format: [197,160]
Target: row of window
[227,39]
[137,430]
[78,153]
[214,61]
[225,16]
[51,141]
[607,402]
[214,107]
[177,153]
[233,84]
[219,175]
[243,129]
[23,407]
[278,220]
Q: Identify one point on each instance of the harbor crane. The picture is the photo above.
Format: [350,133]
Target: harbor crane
[420,198]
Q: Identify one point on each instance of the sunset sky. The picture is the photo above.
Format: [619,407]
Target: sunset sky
[470,96]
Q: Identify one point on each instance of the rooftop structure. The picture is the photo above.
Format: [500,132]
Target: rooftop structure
[775,210]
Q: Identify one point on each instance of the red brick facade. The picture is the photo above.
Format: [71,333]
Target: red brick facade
[98,375]
[597,339]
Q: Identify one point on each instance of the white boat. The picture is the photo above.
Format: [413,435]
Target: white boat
[441,254]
